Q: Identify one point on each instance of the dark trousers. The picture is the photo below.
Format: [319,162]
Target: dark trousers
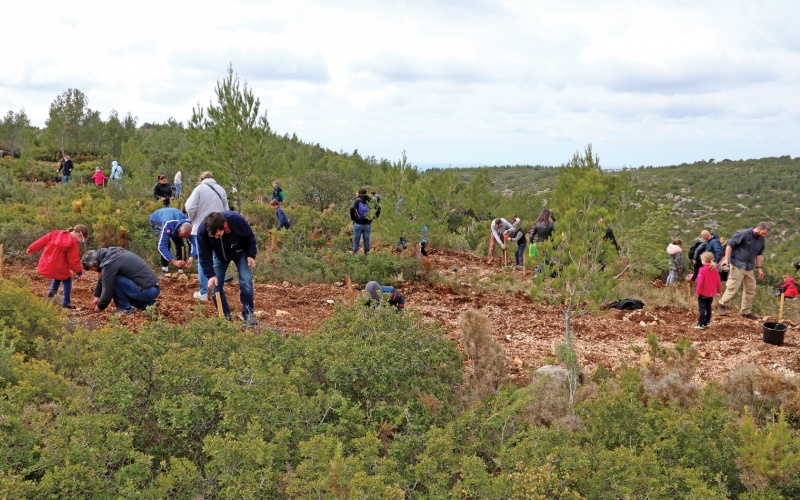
[704,305]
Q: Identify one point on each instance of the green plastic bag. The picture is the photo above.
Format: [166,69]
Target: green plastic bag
[532,250]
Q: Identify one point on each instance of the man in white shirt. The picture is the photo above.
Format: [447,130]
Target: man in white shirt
[207,197]
[178,182]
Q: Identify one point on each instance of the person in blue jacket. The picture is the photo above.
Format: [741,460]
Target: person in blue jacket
[283,221]
[171,226]
[395,298]
[228,236]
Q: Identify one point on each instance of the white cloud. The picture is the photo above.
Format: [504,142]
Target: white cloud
[449,81]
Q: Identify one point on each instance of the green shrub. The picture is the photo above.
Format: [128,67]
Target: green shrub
[28,321]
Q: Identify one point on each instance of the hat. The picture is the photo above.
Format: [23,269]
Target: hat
[89,259]
[373,287]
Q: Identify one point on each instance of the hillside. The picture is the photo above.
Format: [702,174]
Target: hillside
[725,196]
[528,332]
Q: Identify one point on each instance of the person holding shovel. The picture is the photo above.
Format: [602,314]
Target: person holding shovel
[170,225]
[228,237]
[500,227]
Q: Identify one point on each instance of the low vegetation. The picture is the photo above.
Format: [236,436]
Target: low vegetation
[375,403]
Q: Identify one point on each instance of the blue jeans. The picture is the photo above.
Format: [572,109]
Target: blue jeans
[672,277]
[358,230]
[67,288]
[245,284]
[202,276]
[177,191]
[519,255]
[66,178]
[127,294]
[117,183]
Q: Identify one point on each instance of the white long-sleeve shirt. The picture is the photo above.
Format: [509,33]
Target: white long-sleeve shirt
[498,231]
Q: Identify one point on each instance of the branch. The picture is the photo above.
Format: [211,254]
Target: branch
[622,272]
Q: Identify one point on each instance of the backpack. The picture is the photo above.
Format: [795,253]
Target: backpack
[360,209]
[693,249]
[627,304]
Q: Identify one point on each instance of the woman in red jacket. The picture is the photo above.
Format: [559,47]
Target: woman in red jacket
[60,258]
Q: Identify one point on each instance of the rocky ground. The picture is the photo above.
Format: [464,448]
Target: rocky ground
[528,331]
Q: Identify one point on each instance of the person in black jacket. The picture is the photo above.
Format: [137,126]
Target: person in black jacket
[228,237]
[162,191]
[124,277]
[66,167]
[362,223]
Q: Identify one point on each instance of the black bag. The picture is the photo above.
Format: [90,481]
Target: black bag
[693,249]
[627,304]
[56,178]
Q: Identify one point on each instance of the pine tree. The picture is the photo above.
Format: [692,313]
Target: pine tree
[232,134]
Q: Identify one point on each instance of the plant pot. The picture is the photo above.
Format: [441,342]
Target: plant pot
[774,333]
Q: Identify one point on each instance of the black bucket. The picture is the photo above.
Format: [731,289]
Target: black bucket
[774,332]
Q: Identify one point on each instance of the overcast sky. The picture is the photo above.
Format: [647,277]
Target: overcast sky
[461,82]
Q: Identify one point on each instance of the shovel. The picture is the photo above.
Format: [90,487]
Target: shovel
[182,276]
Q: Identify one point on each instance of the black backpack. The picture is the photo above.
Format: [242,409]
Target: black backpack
[693,249]
[627,304]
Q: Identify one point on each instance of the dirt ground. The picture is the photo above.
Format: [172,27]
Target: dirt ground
[528,331]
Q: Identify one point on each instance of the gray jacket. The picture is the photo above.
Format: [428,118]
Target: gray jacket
[207,197]
[115,261]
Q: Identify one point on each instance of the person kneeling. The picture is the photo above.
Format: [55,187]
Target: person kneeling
[124,277]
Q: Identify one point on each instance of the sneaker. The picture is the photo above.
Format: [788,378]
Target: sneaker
[698,327]
[51,294]
[248,320]
[130,310]
[69,306]
[749,316]
[201,296]
[722,310]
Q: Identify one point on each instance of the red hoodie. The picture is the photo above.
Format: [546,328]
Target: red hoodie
[60,256]
[708,282]
[789,288]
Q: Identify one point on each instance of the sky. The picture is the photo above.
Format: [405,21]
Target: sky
[450,82]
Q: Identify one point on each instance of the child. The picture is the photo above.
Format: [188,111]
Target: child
[396,298]
[789,288]
[708,285]
[518,235]
[283,221]
[61,257]
[99,177]
[675,251]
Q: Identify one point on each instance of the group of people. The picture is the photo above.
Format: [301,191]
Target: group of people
[66,166]
[216,237]
[715,260]
[504,232]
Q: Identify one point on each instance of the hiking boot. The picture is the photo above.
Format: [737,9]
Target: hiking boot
[51,294]
[722,310]
[129,310]
[69,306]
[201,296]
[248,320]
[749,316]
